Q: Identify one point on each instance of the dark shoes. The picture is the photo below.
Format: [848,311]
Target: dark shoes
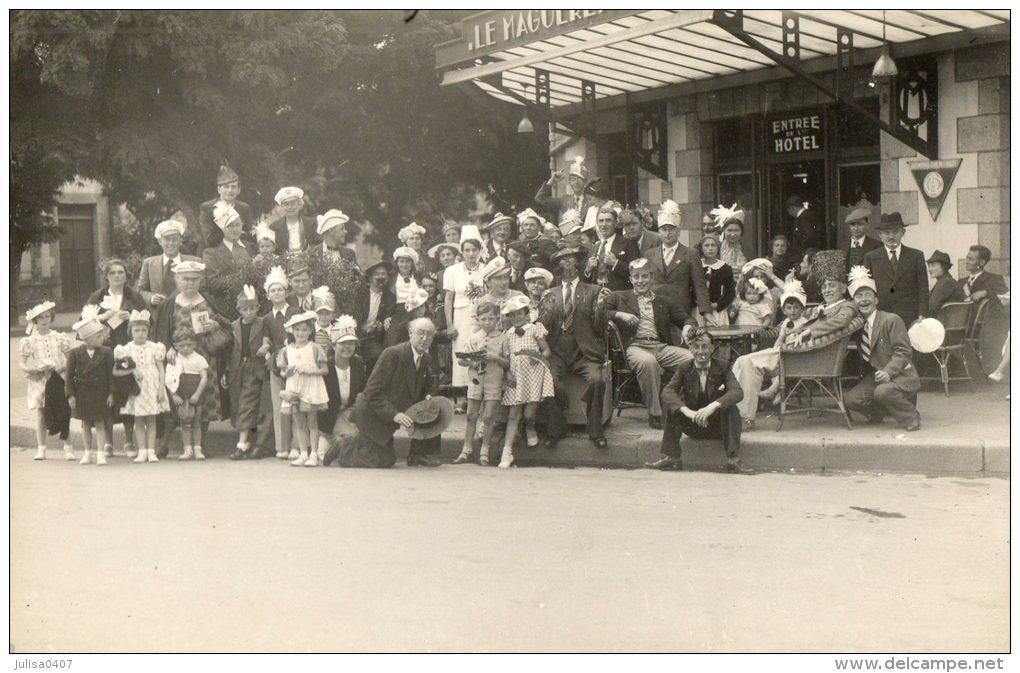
[238,454]
[332,453]
[655,422]
[735,467]
[666,463]
[915,425]
[421,460]
[600,442]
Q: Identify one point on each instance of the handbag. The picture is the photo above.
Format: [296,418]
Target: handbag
[217,340]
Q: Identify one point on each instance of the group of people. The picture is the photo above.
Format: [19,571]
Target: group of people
[499,313]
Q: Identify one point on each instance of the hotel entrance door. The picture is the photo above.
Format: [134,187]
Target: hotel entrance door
[804,182]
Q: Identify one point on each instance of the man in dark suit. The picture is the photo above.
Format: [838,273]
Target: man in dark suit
[645,319]
[634,229]
[294,233]
[808,228]
[609,266]
[402,376]
[575,198]
[156,277]
[888,378]
[677,269]
[700,401]
[332,230]
[981,284]
[569,311]
[858,244]
[231,254]
[229,187]
[899,272]
[375,311]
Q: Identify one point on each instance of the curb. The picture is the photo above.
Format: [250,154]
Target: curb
[760,450]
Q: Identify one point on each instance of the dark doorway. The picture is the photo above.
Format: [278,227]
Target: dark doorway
[805,180]
[622,186]
[77,253]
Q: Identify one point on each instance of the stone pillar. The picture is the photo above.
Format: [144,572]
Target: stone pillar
[690,145]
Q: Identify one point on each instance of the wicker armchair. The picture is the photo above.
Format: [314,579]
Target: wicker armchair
[955,317]
[804,371]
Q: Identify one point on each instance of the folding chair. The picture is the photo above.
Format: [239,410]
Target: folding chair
[822,368]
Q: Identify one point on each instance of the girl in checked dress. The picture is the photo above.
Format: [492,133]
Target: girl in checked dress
[151,400]
[529,380]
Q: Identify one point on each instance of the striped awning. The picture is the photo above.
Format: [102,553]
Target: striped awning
[622,51]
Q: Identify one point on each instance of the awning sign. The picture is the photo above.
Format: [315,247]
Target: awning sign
[934,178]
[791,134]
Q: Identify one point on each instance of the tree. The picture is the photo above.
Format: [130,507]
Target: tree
[346,104]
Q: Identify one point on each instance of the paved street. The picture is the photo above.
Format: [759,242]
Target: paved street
[264,557]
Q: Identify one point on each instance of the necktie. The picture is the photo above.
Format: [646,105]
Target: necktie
[602,253]
[969,287]
[703,378]
[893,259]
[519,331]
[168,276]
[568,307]
[667,256]
[866,342]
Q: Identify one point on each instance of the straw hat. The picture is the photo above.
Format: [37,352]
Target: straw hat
[430,417]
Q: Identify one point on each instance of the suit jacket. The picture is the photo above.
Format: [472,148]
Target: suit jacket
[648,240]
[825,320]
[685,277]
[945,290]
[327,417]
[279,227]
[561,204]
[210,233]
[618,276]
[867,246]
[668,310]
[255,336]
[92,377]
[904,293]
[150,278]
[586,336]
[220,261]
[490,250]
[992,283]
[392,388]
[370,344]
[891,351]
[684,389]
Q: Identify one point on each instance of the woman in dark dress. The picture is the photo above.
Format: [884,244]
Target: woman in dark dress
[946,289]
[115,302]
[186,308]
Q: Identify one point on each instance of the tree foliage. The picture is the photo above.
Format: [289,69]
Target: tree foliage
[346,104]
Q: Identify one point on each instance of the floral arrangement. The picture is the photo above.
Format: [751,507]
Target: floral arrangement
[474,291]
[342,277]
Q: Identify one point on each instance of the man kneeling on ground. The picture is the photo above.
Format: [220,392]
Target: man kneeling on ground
[700,401]
[888,378]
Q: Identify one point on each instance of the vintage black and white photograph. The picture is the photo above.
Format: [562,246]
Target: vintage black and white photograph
[511,331]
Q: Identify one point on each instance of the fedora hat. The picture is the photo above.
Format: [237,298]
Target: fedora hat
[430,417]
[891,220]
[942,258]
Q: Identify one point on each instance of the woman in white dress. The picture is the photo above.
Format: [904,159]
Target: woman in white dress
[463,287]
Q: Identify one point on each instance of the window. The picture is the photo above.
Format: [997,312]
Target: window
[732,140]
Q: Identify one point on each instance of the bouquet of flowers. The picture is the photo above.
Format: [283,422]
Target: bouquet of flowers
[342,277]
[474,291]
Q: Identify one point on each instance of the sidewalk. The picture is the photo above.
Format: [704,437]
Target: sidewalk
[966,434]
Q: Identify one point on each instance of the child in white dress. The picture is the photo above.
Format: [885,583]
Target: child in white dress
[529,380]
[754,307]
[151,399]
[303,364]
[43,353]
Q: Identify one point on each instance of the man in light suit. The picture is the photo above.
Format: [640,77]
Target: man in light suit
[402,376]
[888,378]
[570,312]
[499,236]
[675,268]
[634,229]
[900,273]
[229,186]
[156,278]
[646,320]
